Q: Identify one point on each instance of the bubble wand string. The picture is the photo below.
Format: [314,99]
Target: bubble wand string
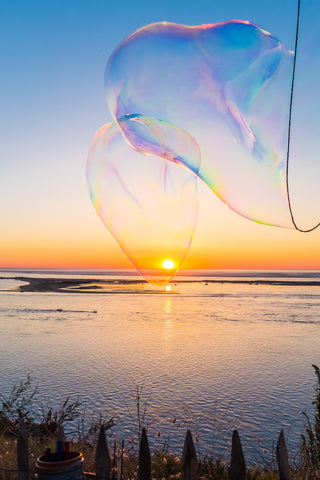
[289,125]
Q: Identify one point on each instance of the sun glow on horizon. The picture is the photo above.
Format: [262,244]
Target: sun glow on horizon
[168,264]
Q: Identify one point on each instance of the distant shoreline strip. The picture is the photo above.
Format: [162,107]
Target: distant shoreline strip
[90,285]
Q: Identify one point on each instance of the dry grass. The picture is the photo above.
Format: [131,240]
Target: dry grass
[166,465]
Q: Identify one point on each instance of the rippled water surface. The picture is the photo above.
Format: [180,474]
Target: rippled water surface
[213,356]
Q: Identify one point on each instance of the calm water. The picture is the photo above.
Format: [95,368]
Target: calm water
[212,356]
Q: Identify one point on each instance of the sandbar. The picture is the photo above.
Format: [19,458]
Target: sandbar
[94,285]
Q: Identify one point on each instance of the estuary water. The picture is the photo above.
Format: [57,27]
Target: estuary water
[209,356]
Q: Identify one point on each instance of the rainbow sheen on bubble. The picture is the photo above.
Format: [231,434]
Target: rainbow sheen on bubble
[227,85]
[208,102]
[149,204]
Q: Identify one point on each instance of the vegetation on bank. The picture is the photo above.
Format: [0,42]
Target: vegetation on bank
[43,421]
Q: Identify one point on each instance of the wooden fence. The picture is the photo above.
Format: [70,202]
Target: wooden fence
[190,467]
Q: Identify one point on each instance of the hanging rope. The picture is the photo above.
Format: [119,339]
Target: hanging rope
[289,125]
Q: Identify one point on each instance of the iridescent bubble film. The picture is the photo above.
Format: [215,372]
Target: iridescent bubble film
[227,85]
[149,204]
[209,101]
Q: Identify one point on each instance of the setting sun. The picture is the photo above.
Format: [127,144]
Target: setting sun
[168,264]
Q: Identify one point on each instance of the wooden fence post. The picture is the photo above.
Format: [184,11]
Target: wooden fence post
[190,467]
[121,465]
[114,460]
[60,434]
[102,458]
[237,470]
[22,452]
[144,458]
[282,458]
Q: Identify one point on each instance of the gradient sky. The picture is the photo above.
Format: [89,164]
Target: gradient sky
[53,56]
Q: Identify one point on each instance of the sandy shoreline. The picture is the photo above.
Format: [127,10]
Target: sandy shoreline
[64,285]
[94,285]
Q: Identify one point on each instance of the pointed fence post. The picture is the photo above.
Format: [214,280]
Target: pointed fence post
[237,470]
[144,458]
[22,452]
[121,465]
[102,458]
[282,458]
[60,435]
[190,467]
[114,460]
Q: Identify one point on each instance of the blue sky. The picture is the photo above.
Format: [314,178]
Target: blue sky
[53,55]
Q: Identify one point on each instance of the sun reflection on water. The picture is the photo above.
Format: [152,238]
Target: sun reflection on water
[168,321]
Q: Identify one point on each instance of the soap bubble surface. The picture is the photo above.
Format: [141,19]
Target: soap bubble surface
[209,102]
[227,85]
[149,204]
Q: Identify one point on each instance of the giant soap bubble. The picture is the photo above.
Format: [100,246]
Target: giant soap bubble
[149,204]
[208,102]
[225,85]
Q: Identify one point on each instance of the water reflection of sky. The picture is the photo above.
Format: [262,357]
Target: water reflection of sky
[214,357]
[168,322]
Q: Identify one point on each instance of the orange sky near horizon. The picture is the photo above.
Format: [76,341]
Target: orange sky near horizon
[222,240]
